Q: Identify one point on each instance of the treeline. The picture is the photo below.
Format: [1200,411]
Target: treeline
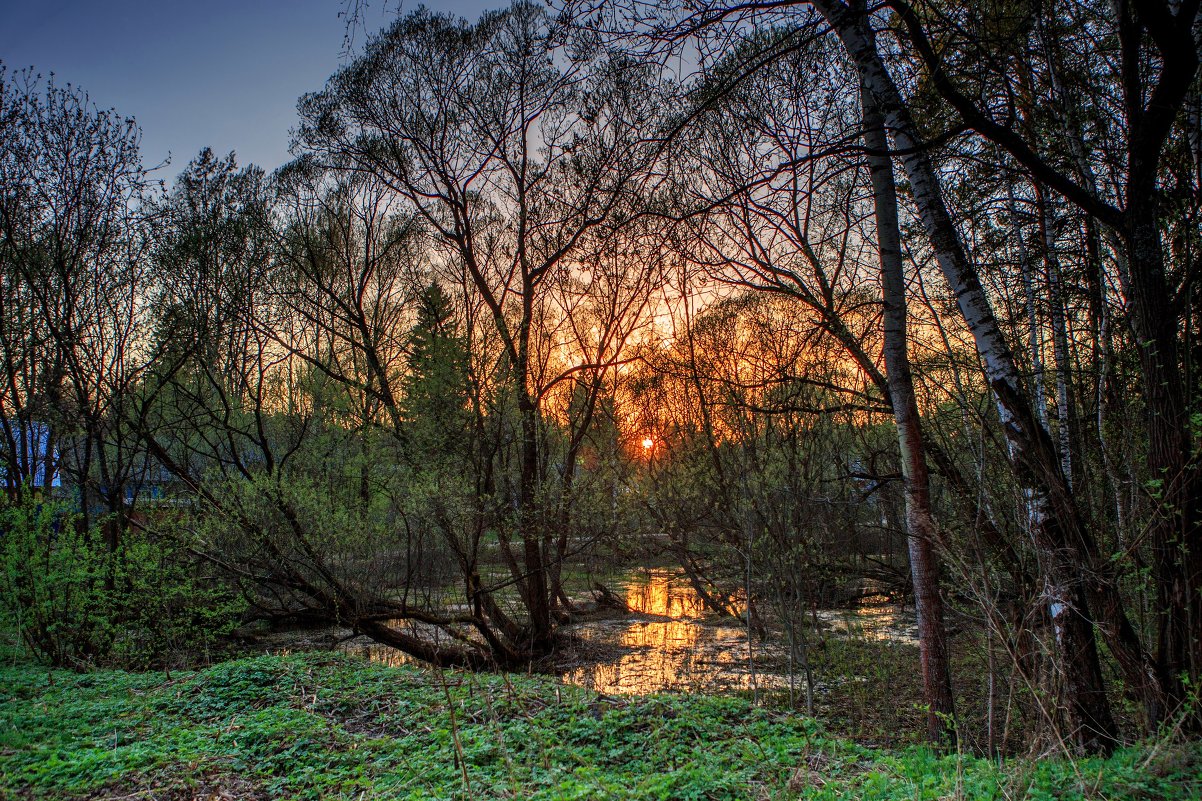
[859,277]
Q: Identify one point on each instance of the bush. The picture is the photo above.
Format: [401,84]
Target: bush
[76,600]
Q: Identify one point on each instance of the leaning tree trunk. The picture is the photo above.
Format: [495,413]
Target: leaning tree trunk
[1055,524]
[920,521]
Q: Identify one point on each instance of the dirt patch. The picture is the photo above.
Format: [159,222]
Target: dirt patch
[214,786]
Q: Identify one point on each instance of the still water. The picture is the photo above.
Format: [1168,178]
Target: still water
[669,643]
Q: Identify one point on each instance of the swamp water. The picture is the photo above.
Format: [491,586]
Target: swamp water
[668,642]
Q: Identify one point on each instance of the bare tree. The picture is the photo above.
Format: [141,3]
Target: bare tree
[73,247]
[513,152]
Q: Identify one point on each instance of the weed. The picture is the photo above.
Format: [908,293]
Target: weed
[321,726]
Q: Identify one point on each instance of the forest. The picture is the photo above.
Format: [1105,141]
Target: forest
[794,315]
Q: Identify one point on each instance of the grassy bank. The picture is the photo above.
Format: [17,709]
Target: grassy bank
[327,726]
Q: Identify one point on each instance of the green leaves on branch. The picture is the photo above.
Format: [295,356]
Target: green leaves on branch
[78,597]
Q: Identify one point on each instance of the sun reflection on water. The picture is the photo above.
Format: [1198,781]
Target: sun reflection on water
[668,643]
[676,650]
[663,593]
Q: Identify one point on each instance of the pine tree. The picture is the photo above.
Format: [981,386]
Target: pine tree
[437,389]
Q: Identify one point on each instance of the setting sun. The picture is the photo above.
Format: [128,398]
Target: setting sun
[648,444]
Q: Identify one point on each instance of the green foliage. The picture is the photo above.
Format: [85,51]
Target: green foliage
[323,726]
[52,586]
[78,598]
[345,500]
[436,387]
[210,255]
[166,611]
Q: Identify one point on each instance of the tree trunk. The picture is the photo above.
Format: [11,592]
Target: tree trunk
[537,601]
[1034,342]
[1176,531]
[1056,526]
[920,522]
[1065,405]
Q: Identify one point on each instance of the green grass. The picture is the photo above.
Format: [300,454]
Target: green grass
[325,726]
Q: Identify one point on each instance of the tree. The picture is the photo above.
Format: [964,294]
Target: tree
[1156,66]
[72,244]
[213,247]
[920,515]
[436,388]
[514,152]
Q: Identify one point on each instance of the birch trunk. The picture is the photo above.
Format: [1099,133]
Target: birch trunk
[1065,411]
[1056,530]
[1034,342]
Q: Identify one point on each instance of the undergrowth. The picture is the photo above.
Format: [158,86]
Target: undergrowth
[327,726]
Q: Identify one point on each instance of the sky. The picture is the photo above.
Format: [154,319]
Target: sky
[224,74]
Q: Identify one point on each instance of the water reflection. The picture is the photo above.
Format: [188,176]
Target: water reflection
[873,619]
[380,654]
[664,593]
[668,643]
[672,647]
[677,655]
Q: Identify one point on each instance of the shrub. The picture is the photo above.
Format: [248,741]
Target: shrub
[76,600]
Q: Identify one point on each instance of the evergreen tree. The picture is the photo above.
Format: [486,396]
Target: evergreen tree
[436,390]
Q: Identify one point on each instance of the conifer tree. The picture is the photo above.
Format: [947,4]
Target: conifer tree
[436,389]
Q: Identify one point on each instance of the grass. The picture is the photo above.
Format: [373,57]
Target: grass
[325,726]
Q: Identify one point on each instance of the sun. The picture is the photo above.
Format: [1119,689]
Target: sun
[648,444]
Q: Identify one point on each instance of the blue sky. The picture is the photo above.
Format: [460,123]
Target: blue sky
[219,73]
